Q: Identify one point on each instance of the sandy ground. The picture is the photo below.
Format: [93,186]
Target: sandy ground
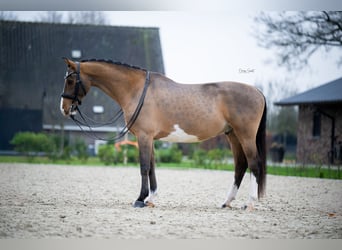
[49,201]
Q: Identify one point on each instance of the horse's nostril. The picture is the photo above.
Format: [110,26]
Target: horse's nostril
[65,112]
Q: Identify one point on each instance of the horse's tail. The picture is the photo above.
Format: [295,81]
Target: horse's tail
[261,146]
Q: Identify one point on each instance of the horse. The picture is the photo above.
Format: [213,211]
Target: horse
[158,108]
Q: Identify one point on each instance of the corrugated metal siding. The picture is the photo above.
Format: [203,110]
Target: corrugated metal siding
[32,71]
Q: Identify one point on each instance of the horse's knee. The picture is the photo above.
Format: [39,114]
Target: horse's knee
[143,172]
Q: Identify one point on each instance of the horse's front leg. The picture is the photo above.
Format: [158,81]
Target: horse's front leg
[145,156]
[149,201]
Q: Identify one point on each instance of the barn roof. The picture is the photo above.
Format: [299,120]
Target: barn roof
[32,69]
[330,92]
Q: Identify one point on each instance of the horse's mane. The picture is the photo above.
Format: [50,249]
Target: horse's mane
[113,62]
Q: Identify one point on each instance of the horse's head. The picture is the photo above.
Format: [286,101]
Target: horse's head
[74,88]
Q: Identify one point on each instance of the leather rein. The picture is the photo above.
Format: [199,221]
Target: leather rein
[79,85]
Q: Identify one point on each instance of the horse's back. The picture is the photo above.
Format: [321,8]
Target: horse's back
[204,110]
[228,88]
[236,96]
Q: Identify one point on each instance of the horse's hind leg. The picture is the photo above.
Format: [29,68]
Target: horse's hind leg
[240,168]
[253,164]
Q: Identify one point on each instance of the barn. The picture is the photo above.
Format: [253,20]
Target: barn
[319,132]
[32,71]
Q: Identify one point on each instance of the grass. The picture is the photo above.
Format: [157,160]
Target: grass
[92,161]
[308,171]
[300,171]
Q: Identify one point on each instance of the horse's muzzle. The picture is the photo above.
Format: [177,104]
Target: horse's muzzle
[68,112]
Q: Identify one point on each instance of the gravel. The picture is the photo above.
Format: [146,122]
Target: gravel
[54,201]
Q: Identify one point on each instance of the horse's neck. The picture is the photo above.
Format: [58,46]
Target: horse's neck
[121,84]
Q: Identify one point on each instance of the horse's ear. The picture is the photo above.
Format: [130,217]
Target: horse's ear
[68,62]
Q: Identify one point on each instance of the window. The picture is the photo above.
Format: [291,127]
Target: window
[76,53]
[316,130]
[98,109]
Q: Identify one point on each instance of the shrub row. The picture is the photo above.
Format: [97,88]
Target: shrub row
[202,158]
[33,144]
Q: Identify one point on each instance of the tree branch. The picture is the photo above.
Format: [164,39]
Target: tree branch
[298,35]
[332,21]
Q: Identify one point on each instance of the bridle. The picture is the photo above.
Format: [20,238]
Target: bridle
[78,85]
[74,107]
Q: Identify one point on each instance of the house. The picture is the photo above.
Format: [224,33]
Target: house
[319,132]
[32,72]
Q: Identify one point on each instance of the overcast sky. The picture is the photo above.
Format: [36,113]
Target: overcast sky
[209,46]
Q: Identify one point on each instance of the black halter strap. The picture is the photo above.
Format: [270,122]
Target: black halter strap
[79,84]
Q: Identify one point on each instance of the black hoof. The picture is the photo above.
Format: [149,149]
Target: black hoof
[226,206]
[139,204]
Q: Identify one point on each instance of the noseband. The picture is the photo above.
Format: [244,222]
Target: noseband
[79,84]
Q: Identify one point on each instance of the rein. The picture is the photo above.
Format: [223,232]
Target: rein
[117,116]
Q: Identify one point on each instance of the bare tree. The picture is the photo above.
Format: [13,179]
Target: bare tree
[274,91]
[7,15]
[298,35]
[87,17]
[73,17]
[50,17]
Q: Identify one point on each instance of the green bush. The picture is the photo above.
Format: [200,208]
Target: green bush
[168,155]
[132,155]
[81,150]
[31,144]
[107,154]
[200,157]
[214,158]
[59,151]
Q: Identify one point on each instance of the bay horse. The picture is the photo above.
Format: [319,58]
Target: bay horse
[174,112]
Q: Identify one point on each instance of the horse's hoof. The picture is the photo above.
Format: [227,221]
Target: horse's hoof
[226,206]
[139,204]
[149,204]
[248,208]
